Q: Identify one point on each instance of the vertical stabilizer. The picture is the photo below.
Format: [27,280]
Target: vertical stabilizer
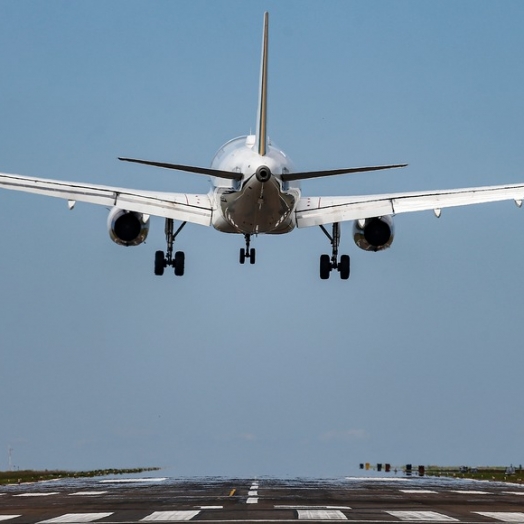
[261,132]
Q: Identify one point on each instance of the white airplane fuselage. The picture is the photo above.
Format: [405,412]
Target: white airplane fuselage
[260,202]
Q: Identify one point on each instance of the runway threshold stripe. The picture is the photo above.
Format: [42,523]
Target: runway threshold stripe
[504,516]
[77,517]
[432,516]
[169,516]
[320,514]
[252,500]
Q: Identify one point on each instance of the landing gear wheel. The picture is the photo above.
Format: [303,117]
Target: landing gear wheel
[163,260]
[179,263]
[160,263]
[343,267]
[247,252]
[325,267]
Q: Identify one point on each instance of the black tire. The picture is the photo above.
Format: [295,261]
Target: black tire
[343,267]
[179,263]
[325,267]
[242,255]
[252,255]
[160,263]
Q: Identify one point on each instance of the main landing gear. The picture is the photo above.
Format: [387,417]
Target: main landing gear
[327,264]
[247,252]
[178,261]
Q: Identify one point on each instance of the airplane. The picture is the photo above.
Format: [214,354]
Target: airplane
[256,190]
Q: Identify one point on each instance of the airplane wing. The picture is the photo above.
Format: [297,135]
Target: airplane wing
[178,206]
[316,211]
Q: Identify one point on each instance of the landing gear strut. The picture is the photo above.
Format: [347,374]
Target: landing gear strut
[327,264]
[163,260]
[247,252]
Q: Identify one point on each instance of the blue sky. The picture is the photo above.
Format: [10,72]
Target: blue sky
[265,369]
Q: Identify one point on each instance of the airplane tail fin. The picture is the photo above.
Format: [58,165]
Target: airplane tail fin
[261,131]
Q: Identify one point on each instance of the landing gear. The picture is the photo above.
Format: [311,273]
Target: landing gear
[163,260]
[327,264]
[247,252]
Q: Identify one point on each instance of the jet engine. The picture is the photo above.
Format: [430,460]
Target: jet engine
[373,234]
[127,228]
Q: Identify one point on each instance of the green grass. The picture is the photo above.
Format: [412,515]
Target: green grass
[29,475]
[493,473]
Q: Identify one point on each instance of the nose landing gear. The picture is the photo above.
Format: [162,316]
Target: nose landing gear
[247,252]
[327,263]
[163,260]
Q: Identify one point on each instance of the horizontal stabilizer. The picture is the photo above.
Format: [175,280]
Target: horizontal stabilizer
[230,175]
[290,177]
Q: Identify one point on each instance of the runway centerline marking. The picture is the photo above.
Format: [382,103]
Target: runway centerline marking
[289,506]
[422,516]
[77,517]
[252,500]
[166,516]
[252,493]
[504,516]
[417,491]
[40,494]
[469,492]
[7,517]
[125,481]
[321,514]
[90,493]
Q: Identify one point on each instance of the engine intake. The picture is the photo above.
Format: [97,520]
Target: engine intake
[373,234]
[127,228]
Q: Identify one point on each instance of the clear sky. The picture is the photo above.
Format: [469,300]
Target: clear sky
[265,369]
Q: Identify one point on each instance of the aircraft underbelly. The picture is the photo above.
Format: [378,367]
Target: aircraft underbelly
[257,208]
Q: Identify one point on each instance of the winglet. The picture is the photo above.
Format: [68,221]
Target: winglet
[261,132]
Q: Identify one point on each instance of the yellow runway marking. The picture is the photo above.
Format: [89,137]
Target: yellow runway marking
[232,492]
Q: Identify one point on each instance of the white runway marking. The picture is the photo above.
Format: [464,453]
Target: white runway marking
[469,492]
[513,492]
[287,506]
[7,517]
[123,481]
[422,515]
[211,507]
[45,494]
[88,493]
[252,500]
[504,516]
[252,493]
[320,514]
[77,517]
[254,486]
[165,516]
[417,491]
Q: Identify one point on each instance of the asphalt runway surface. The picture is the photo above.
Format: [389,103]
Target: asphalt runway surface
[130,500]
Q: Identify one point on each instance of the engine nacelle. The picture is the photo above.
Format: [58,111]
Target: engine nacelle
[374,234]
[127,228]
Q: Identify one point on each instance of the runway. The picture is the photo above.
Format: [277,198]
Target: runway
[217,500]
